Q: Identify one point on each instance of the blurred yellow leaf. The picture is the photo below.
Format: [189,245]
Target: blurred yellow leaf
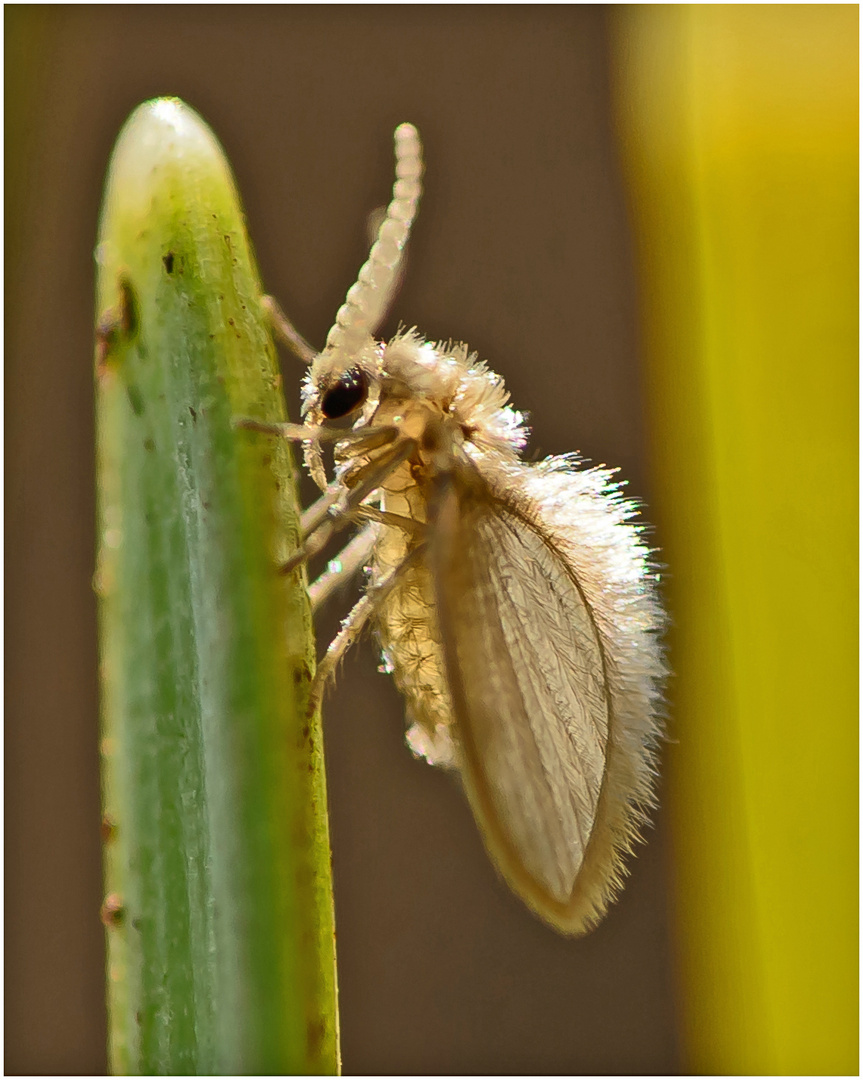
[739,127]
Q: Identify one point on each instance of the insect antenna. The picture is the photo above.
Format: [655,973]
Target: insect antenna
[368,299]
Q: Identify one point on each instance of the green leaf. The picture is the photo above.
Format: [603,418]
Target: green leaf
[219,907]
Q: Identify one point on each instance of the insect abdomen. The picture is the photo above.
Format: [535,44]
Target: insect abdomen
[408,630]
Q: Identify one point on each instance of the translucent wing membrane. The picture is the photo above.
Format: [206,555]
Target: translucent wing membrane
[533,706]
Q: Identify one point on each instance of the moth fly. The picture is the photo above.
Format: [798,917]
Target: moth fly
[515,603]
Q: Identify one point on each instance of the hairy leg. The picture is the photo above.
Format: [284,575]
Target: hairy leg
[353,625]
[343,566]
[342,512]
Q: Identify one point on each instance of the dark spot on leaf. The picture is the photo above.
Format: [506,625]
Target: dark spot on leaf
[117,323]
[135,399]
[316,1030]
[129,317]
[149,445]
[107,829]
[107,332]
[168,260]
[266,460]
[306,731]
[112,910]
[193,414]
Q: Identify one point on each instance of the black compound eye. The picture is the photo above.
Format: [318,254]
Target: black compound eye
[344,395]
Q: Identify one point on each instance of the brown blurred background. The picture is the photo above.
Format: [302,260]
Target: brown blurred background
[522,248]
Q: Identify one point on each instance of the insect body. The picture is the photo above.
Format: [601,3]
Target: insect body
[515,602]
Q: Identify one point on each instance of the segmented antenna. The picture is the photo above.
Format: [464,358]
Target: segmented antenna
[367,301]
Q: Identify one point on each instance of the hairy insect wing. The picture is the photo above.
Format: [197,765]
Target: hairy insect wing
[555,746]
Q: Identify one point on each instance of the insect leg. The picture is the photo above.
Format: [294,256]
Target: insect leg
[369,477]
[285,331]
[396,521]
[353,624]
[366,438]
[350,559]
[342,512]
[315,515]
[355,554]
[294,432]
